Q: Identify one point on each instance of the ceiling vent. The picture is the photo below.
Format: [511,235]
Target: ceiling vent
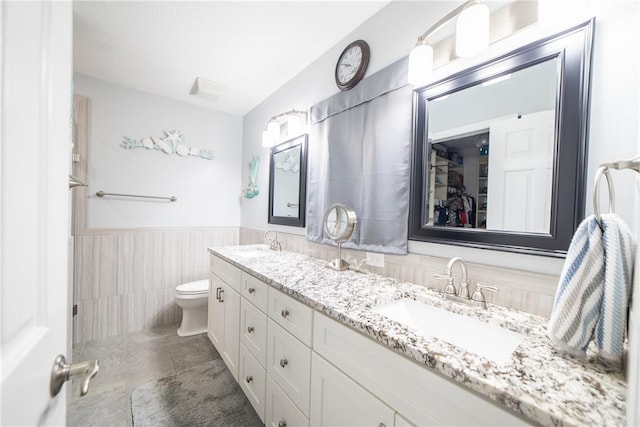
[207,89]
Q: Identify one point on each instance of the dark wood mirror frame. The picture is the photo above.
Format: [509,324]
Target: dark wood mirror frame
[298,221]
[572,48]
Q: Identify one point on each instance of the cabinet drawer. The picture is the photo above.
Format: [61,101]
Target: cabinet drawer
[421,395]
[227,272]
[253,331]
[292,315]
[281,411]
[252,381]
[289,364]
[255,290]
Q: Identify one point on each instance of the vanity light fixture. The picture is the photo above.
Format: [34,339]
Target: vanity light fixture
[295,120]
[472,37]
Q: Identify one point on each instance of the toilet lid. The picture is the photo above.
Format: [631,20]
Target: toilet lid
[197,287]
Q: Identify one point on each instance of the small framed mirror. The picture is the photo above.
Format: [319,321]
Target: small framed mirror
[499,154]
[288,183]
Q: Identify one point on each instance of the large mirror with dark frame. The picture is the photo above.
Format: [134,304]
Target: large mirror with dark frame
[499,153]
[288,182]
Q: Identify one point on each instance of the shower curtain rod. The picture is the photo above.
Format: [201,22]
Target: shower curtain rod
[102,194]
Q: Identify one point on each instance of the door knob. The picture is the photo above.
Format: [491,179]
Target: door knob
[63,371]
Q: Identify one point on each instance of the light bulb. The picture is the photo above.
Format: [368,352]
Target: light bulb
[294,125]
[266,139]
[472,30]
[273,127]
[420,65]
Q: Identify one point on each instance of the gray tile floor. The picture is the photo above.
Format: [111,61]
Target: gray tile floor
[126,362]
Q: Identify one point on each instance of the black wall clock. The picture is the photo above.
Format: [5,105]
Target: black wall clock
[352,64]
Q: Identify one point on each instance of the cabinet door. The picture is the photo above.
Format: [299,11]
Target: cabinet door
[231,340]
[216,313]
[336,400]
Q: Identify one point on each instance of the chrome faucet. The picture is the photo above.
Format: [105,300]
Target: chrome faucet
[274,244]
[461,295]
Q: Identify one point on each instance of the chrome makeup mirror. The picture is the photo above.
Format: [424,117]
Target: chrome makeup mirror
[288,182]
[499,154]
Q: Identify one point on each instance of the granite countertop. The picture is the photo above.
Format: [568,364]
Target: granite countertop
[539,382]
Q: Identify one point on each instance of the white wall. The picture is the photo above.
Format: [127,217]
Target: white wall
[208,191]
[391,33]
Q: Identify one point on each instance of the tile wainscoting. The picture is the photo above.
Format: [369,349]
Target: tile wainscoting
[125,279]
[520,290]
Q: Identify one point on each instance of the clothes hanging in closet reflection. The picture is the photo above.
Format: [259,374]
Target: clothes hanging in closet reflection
[459,210]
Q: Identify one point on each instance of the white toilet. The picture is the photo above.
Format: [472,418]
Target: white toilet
[193,298]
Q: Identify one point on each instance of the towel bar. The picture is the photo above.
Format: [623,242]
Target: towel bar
[603,170]
[102,194]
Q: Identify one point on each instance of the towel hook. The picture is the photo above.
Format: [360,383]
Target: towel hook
[602,171]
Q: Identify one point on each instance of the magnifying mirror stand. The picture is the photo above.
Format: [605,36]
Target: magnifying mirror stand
[338,264]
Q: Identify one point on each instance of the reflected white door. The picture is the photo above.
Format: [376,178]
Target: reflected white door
[520,173]
[35,89]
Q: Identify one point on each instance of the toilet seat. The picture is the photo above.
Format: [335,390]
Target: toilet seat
[193,288]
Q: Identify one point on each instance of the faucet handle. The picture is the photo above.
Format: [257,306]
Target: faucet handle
[478,295]
[449,287]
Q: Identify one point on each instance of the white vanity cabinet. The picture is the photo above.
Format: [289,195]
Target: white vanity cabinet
[224,312]
[298,367]
[419,395]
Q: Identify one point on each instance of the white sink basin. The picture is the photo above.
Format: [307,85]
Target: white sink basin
[490,341]
[252,252]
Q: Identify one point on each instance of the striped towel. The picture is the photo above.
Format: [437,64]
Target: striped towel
[592,299]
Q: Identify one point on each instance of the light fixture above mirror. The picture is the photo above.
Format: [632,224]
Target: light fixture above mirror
[472,37]
[284,126]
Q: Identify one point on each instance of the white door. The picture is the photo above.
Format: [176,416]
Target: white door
[35,121]
[520,173]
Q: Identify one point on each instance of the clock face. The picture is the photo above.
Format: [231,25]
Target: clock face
[352,64]
[339,222]
[349,63]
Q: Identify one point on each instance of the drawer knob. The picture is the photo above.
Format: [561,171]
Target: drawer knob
[249,379]
[282,423]
[284,313]
[252,290]
[250,329]
[284,362]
